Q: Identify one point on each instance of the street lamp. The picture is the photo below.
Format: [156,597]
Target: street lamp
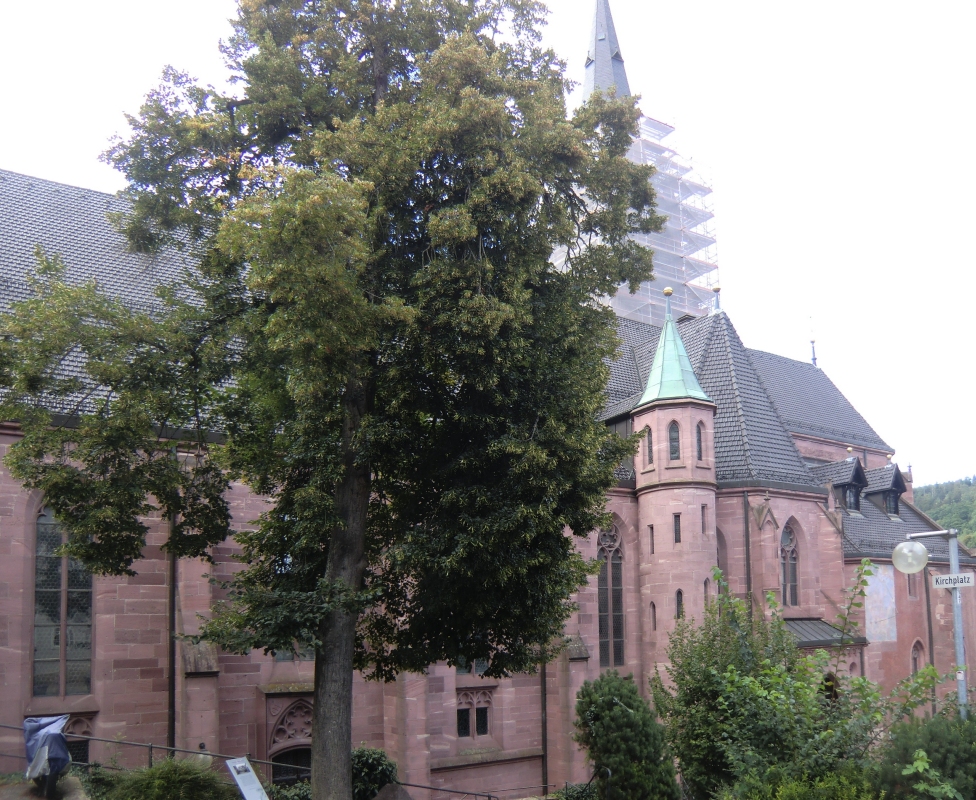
[910,557]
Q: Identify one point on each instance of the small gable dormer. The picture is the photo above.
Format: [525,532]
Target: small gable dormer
[846,478]
[885,487]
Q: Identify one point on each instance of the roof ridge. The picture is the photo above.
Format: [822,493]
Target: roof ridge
[35,178]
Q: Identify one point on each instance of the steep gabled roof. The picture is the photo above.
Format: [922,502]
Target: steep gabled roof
[604,62]
[71,222]
[809,403]
[751,443]
[840,473]
[885,478]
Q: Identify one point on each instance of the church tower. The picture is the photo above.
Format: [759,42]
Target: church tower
[684,252]
[675,478]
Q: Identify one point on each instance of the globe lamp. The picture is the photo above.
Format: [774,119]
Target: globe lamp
[910,557]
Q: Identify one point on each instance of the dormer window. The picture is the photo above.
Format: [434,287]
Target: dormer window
[891,503]
[852,497]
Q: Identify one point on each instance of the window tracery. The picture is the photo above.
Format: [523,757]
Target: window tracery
[610,598]
[788,566]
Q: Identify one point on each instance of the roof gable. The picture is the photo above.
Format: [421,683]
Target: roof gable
[809,403]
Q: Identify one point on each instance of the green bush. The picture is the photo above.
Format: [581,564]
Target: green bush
[171,780]
[620,733]
[372,769]
[577,791]
[848,784]
[950,745]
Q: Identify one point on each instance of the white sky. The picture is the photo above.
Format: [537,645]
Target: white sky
[837,137]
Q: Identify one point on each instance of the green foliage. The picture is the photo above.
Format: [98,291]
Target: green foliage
[372,769]
[747,710]
[848,784]
[950,743]
[298,791]
[700,655]
[620,733]
[577,791]
[952,505]
[928,781]
[373,327]
[169,779]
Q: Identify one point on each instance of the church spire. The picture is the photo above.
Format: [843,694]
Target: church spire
[604,63]
[671,376]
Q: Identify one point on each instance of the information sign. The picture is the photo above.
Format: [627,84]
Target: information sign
[247,781]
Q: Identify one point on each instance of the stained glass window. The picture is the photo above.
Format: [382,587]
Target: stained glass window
[788,561]
[610,599]
[674,442]
[62,617]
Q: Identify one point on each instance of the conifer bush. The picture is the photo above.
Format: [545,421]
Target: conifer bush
[171,779]
[950,745]
[620,732]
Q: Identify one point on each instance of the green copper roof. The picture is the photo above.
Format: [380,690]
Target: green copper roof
[671,375]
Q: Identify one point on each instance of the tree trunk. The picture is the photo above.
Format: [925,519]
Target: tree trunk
[332,721]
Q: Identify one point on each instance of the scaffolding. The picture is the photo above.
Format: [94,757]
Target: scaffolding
[685,253]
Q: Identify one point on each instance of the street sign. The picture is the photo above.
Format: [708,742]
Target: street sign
[949,581]
[247,781]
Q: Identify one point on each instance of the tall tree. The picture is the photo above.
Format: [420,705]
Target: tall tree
[375,329]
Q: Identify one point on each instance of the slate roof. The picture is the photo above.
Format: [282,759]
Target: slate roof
[884,478]
[817,633]
[839,473]
[873,534]
[604,63]
[809,403]
[72,222]
[751,442]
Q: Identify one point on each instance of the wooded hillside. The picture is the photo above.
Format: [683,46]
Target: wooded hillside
[952,505]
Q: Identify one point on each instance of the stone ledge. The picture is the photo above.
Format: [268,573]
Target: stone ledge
[491,757]
[82,704]
[286,688]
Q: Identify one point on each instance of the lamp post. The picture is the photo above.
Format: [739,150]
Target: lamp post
[911,556]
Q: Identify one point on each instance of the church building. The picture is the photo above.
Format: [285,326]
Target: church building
[749,462]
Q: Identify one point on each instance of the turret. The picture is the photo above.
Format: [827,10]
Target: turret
[675,475]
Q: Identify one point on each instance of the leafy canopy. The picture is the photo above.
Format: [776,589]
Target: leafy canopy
[374,335]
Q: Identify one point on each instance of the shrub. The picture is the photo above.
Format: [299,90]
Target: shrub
[172,780]
[620,733]
[849,784]
[372,769]
[577,791]
[950,745]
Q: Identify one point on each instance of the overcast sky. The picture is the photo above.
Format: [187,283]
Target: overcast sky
[837,136]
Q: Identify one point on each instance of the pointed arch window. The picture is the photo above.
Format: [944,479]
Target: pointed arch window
[918,657]
[674,442]
[788,562]
[679,604]
[708,587]
[648,448]
[610,599]
[62,617]
[699,429]
[653,617]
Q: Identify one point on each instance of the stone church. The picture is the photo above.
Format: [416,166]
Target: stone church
[748,461]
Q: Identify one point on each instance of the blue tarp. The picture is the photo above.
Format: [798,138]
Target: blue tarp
[47,749]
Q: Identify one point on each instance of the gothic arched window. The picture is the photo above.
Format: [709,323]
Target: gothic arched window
[648,447]
[698,440]
[62,617]
[674,442]
[653,617]
[708,586]
[787,560]
[610,599]
[679,604]
[918,657]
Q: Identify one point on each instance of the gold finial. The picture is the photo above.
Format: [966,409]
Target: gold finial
[889,456]
[668,291]
[850,449]
[716,288]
